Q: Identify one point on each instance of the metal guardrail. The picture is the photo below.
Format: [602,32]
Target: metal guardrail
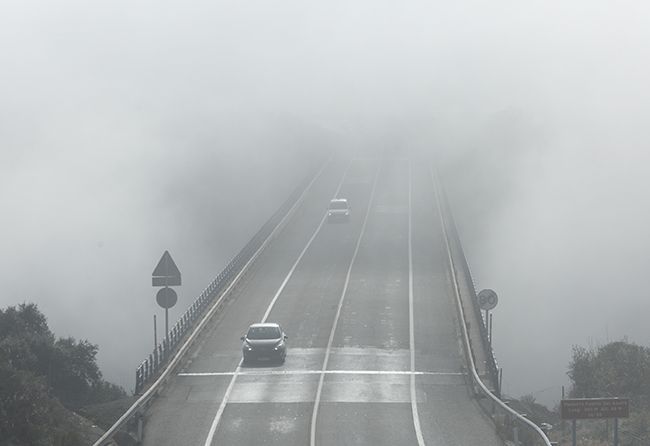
[159,357]
[460,263]
[507,420]
[168,354]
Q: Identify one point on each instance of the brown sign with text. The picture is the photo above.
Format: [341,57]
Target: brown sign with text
[585,408]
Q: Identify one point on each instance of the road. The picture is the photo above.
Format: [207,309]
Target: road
[374,356]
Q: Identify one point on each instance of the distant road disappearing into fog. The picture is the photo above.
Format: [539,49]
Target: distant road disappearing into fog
[374,356]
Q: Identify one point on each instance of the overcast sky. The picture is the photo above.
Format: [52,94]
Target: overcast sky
[128,127]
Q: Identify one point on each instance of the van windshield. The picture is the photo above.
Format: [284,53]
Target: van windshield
[338,205]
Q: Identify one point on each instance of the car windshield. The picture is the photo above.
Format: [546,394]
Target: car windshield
[263,333]
[338,205]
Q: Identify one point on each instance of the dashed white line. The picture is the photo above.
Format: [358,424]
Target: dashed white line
[319,390]
[224,401]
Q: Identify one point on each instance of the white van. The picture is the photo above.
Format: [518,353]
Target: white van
[339,210]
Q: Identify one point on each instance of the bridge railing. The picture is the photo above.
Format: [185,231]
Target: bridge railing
[159,357]
[462,269]
[510,424]
[168,354]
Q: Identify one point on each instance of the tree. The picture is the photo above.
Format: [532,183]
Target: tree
[581,373]
[26,320]
[623,369]
[618,369]
[39,375]
[74,370]
[28,415]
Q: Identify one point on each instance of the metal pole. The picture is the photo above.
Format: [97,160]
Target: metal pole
[563,424]
[166,316]
[155,333]
[167,325]
[515,434]
[615,431]
[490,335]
[573,441]
[140,428]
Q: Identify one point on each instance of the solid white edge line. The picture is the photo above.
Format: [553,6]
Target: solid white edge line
[319,389]
[474,375]
[414,402]
[149,393]
[231,385]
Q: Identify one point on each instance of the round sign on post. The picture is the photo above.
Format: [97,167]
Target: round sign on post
[487,300]
[166,298]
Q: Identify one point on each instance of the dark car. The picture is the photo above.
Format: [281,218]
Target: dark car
[264,342]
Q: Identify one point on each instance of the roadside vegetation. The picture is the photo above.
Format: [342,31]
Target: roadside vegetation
[47,382]
[618,369]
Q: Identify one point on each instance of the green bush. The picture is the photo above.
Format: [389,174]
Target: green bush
[40,376]
[618,369]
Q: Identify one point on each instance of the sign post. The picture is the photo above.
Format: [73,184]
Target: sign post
[573,435]
[488,300]
[166,274]
[595,408]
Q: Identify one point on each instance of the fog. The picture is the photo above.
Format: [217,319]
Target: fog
[129,128]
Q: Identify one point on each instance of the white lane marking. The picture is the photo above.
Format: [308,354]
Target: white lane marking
[318,372]
[148,395]
[414,402]
[368,158]
[319,390]
[224,401]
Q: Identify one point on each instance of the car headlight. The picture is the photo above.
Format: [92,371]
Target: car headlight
[279,346]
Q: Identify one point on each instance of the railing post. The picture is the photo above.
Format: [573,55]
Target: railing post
[515,433]
[140,432]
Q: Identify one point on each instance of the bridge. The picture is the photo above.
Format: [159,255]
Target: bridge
[386,344]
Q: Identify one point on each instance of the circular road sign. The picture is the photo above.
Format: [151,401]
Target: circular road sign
[166,297]
[487,300]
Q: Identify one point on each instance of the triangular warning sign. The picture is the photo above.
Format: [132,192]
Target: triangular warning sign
[166,272]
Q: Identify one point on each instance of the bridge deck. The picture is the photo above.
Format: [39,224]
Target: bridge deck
[386,331]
